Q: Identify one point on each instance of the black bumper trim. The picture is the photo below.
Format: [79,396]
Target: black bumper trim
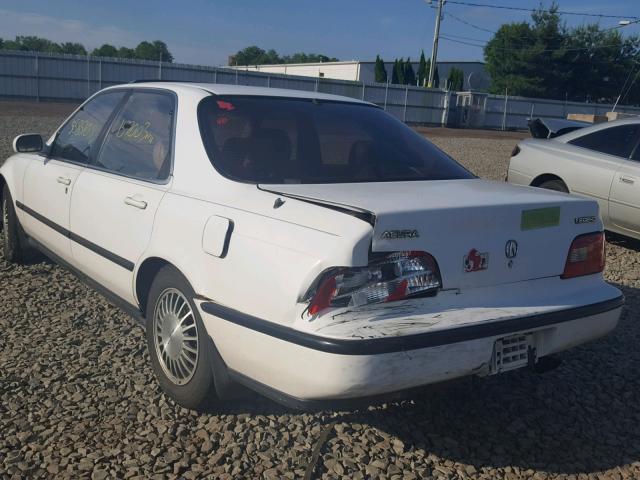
[374,346]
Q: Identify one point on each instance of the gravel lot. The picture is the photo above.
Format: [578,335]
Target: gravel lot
[78,398]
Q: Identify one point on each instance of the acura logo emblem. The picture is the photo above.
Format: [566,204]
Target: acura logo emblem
[511,249]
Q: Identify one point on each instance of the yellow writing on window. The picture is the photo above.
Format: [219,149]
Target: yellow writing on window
[83,128]
[136,132]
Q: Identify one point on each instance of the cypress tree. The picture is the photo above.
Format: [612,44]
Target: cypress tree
[409,74]
[380,71]
[456,79]
[400,71]
[423,73]
[436,78]
[394,73]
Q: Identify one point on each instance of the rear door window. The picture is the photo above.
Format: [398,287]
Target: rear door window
[78,136]
[139,140]
[618,141]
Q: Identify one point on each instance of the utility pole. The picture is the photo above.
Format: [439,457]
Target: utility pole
[434,50]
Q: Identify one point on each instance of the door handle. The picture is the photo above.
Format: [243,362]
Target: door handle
[64,181]
[625,179]
[141,204]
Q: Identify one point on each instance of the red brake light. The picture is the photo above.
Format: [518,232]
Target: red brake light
[388,278]
[586,256]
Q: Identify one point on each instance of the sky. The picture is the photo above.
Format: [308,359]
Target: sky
[206,32]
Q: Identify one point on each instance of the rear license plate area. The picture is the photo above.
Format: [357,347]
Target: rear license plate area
[513,352]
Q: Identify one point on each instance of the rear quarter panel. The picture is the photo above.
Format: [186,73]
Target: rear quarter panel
[269,263]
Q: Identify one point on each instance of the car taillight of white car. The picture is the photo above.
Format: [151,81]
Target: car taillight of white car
[387,278]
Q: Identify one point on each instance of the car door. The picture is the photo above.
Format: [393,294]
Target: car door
[50,179]
[624,200]
[117,195]
[603,152]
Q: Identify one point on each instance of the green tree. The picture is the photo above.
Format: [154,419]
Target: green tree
[409,74]
[105,50]
[436,75]
[400,71]
[32,44]
[436,78]
[125,52]
[1,44]
[545,58]
[73,48]
[302,57]
[153,51]
[254,55]
[423,73]
[455,80]
[380,71]
[394,73]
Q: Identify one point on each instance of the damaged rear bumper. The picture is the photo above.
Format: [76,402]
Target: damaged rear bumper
[295,366]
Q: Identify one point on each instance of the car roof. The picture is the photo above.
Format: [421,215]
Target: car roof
[595,128]
[225,89]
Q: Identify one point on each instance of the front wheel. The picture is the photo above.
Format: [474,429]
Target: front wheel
[13,245]
[177,341]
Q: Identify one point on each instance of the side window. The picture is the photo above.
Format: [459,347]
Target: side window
[77,137]
[138,142]
[618,141]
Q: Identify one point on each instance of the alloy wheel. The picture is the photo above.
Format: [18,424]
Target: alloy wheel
[175,336]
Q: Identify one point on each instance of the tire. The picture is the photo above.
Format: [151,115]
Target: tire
[185,376]
[555,184]
[14,240]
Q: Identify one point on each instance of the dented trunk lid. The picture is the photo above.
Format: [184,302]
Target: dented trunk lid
[480,232]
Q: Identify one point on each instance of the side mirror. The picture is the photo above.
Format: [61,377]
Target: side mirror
[28,143]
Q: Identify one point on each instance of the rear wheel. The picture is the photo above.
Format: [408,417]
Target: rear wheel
[177,340]
[555,184]
[13,244]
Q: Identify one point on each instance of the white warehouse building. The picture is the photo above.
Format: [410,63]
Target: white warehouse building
[475,75]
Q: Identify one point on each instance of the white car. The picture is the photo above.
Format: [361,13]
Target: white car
[601,162]
[309,246]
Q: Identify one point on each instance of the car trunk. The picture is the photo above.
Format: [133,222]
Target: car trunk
[465,224]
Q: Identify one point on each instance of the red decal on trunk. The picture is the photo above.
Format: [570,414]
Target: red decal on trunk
[475,261]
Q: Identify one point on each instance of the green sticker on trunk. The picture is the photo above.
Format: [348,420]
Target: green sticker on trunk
[540,218]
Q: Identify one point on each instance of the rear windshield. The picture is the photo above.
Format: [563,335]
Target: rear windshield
[282,140]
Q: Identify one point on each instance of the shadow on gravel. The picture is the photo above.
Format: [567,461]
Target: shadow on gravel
[624,242]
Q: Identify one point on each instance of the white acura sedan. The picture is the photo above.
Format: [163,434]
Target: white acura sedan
[309,246]
[601,162]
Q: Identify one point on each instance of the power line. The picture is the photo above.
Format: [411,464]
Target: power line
[468,23]
[465,38]
[521,9]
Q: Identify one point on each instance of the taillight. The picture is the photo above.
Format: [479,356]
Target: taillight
[389,278]
[586,255]
[515,151]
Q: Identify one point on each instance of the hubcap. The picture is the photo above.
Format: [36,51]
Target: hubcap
[175,336]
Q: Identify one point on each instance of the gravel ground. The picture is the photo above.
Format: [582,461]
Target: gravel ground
[78,398]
